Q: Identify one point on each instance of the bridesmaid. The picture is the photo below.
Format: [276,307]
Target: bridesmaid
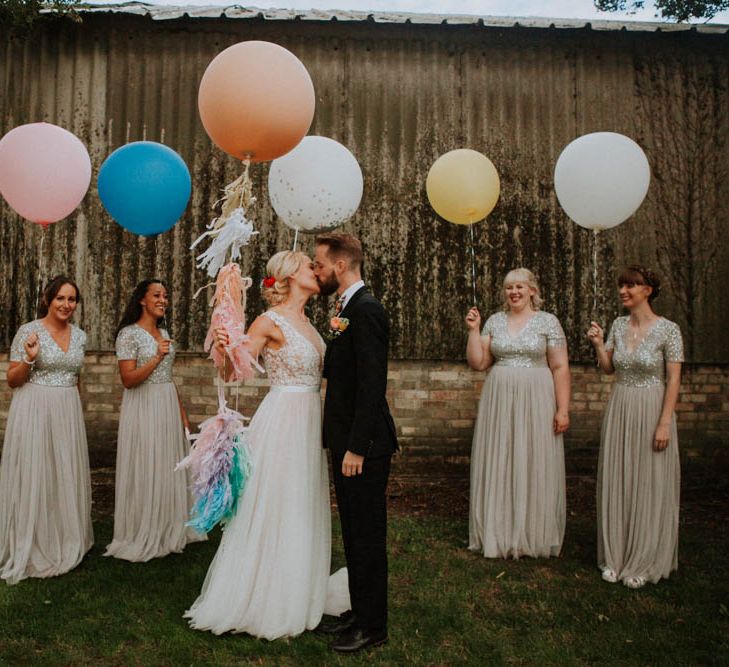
[151,499]
[45,486]
[517,459]
[638,476]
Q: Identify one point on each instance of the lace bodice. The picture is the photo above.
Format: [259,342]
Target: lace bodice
[645,365]
[528,347]
[298,362]
[135,343]
[53,367]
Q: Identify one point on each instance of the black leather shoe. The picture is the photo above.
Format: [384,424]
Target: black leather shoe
[335,625]
[355,640]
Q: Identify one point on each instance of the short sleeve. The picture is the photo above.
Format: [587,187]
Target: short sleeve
[126,345]
[673,350]
[17,349]
[610,342]
[555,333]
[488,328]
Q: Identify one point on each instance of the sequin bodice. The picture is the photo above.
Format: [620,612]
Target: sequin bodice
[645,364]
[138,344]
[53,367]
[297,362]
[528,347]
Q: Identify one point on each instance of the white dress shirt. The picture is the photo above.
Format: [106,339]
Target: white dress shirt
[349,292]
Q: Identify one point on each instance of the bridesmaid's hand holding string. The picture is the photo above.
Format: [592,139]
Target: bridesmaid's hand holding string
[32,347]
[596,335]
[163,348]
[473,319]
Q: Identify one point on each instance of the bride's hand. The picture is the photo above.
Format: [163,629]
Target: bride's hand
[473,319]
[222,339]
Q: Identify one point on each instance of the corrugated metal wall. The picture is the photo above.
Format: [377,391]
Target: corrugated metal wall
[398,96]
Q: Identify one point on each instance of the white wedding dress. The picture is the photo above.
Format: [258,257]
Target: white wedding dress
[270,575]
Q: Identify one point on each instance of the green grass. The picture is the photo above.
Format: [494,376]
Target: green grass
[447,606]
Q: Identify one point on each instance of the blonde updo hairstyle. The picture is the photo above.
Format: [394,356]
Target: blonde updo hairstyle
[281,267]
[522,275]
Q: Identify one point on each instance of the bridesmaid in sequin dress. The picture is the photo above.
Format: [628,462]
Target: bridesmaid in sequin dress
[45,486]
[151,499]
[517,461]
[638,479]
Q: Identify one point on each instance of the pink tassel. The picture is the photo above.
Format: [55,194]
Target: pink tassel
[229,313]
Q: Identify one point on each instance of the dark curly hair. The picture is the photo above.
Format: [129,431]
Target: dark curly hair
[640,275]
[133,311]
[51,291]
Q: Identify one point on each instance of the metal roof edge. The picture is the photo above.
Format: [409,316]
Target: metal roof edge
[171,12]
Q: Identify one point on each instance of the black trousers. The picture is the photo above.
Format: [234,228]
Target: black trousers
[362,503]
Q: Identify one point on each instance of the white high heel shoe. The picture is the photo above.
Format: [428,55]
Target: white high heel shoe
[609,575]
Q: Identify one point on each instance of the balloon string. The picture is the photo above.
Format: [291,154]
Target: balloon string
[296,238]
[40,267]
[594,272]
[473,263]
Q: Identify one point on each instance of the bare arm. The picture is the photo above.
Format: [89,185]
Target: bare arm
[19,371]
[559,365]
[17,374]
[670,398]
[604,356]
[478,348]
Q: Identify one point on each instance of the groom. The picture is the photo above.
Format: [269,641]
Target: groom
[360,433]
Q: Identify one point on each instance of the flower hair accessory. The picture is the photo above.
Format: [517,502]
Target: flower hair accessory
[338,325]
[268,282]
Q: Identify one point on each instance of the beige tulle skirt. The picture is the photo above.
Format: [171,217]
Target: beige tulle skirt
[152,501]
[637,488]
[45,486]
[517,467]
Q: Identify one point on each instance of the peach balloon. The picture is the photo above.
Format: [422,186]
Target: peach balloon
[256,100]
[45,171]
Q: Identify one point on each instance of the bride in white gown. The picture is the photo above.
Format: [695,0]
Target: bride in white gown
[270,575]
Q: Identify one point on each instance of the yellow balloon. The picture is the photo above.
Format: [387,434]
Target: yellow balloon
[463,186]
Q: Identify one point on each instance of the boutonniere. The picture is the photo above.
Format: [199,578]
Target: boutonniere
[338,325]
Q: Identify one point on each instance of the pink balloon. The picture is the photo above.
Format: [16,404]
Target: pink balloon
[45,171]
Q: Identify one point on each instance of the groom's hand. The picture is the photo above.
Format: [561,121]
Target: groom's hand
[352,464]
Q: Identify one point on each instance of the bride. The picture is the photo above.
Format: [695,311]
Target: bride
[270,575]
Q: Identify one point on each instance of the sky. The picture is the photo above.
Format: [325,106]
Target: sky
[582,9]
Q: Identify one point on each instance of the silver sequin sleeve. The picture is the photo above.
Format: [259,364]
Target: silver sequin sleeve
[488,327]
[126,345]
[610,342]
[674,343]
[17,349]
[554,332]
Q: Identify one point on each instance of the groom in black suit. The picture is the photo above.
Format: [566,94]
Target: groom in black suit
[360,433]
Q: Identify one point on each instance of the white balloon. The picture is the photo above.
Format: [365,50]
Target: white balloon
[315,187]
[601,179]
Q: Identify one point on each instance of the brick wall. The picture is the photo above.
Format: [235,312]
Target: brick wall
[434,404]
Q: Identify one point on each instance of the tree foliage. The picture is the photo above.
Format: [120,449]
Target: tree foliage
[671,10]
[21,15]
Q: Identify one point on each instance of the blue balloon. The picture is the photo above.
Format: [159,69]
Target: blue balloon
[145,187]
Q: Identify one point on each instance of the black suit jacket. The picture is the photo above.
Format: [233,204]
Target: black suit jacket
[356,415]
